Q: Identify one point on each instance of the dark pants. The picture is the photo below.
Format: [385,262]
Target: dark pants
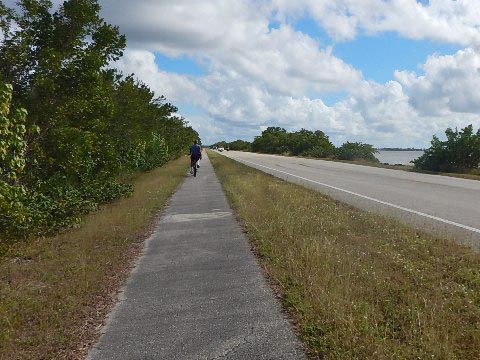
[194,159]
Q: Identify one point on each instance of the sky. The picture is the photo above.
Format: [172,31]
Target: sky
[390,73]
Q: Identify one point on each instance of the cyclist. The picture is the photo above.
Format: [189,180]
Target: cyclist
[195,155]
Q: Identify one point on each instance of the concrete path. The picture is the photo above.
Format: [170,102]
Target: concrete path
[198,292]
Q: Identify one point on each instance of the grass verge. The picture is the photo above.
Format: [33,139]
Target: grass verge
[359,285]
[55,292]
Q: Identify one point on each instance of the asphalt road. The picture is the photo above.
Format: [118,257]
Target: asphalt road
[445,205]
[198,291]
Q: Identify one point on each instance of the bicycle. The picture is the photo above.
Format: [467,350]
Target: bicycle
[194,167]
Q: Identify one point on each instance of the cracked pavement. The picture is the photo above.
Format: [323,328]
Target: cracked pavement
[197,292]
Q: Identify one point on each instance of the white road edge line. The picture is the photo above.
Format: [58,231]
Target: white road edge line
[466,227]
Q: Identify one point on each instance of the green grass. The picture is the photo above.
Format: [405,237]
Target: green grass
[359,286]
[55,292]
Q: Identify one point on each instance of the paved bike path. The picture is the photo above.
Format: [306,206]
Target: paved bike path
[197,292]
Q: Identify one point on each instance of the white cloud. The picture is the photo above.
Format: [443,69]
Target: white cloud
[440,20]
[451,84]
[233,37]
[403,112]
[187,26]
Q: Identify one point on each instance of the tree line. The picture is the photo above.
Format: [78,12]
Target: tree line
[277,140]
[70,124]
[459,153]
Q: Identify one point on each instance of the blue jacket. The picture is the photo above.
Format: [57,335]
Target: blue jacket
[196,150]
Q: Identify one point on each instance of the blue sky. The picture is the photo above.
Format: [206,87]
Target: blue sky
[179,65]
[378,55]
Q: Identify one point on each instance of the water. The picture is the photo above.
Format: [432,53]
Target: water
[397,157]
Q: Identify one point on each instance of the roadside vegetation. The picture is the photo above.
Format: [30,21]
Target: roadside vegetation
[358,285]
[71,126]
[277,140]
[56,292]
[87,157]
[458,155]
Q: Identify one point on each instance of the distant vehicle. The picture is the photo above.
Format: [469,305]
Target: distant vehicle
[221,148]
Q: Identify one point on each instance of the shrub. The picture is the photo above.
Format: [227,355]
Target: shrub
[58,202]
[356,150]
[14,215]
[155,153]
[459,153]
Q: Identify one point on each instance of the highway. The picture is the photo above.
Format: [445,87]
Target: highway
[447,206]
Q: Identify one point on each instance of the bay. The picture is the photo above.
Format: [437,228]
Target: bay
[397,157]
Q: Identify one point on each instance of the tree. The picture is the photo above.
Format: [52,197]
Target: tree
[356,150]
[273,140]
[239,145]
[459,153]
[93,123]
[308,143]
[56,63]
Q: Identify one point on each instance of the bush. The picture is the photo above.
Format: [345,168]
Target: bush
[272,141]
[309,143]
[355,151]
[155,153]
[239,145]
[14,216]
[319,152]
[53,206]
[275,140]
[87,125]
[47,206]
[459,153]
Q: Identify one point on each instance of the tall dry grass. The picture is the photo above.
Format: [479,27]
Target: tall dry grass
[360,286]
[56,292]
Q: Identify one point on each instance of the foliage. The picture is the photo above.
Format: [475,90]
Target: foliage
[356,150]
[155,152]
[308,143]
[275,140]
[460,152]
[239,145]
[12,162]
[87,124]
[12,131]
[222,143]
[272,141]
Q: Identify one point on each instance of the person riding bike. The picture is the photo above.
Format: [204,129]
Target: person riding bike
[195,155]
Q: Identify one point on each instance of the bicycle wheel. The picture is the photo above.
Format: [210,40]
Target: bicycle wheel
[195,169]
